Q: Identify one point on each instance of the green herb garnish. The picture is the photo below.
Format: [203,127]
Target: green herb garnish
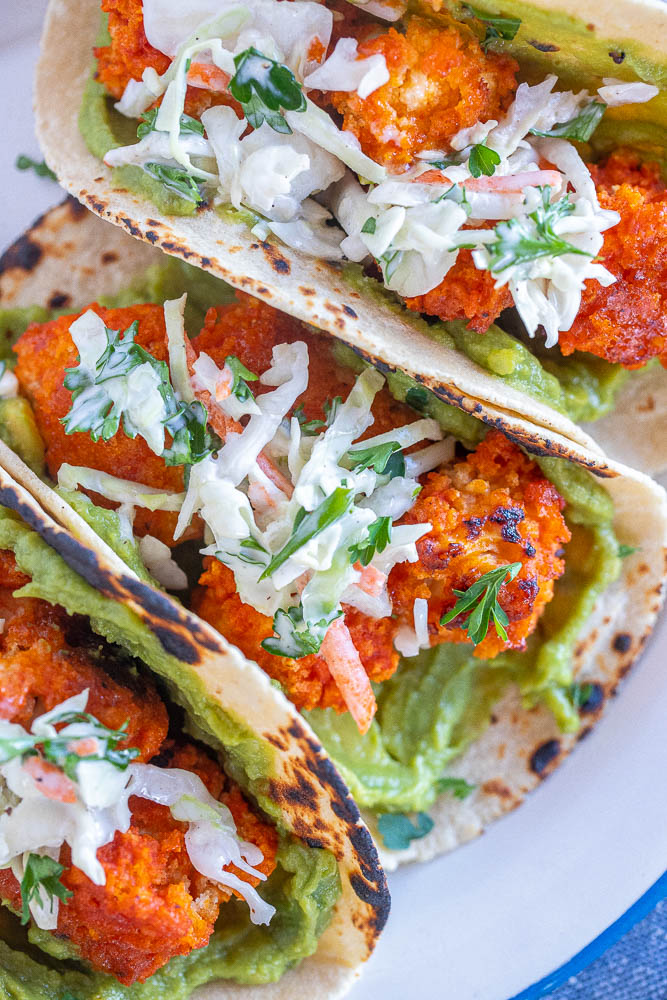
[581,127]
[242,376]
[178,180]
[42,875]
[481,602]
[483,160]
[369,225]
[627,550]
[529,237]
[187,124]
[24,162]
[458,787]
[292,641]
[309,524]
[263,87]
[397,830]
[377,540]
[378,457]
[497,28]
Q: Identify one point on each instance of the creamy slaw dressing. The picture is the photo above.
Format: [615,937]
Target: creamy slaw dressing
[302,178]
[33,822]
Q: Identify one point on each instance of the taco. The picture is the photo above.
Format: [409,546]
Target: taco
[488,180]
[448,603]
[168,820]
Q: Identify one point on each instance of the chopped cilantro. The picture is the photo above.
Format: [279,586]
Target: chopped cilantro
[242,376]
[309,524]
[580,694]
[378,457]
[581,127]
[417,398]
[178,180]
[458,787]
[148,119]
[292,641]
[369,225]
[397,830]
[262,87]
[42,875]
[377,540]
[627,550]
[483,160]
[497,28]
[24,162]
[481,601]
[529,237]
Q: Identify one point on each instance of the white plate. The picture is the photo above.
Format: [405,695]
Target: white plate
[504,914]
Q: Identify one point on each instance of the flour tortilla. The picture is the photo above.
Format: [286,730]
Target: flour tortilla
[315,803]
[63,256]
[312,290]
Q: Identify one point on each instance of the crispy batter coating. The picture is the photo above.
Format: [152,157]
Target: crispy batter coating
[129,53]
[43,352]
[464,293]
[440,82]
[492,509]
[307,681]
[627,322]
[154,904]
[250,329]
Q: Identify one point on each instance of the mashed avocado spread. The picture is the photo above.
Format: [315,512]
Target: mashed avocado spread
[305,885]
[437,703]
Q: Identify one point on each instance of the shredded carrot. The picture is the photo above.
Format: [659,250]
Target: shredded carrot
[344,663]
[50,780]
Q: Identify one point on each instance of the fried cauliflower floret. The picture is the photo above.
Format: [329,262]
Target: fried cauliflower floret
[44,662]
[44,351]
[307,681]
[250,329]
[627,322]
[440,82]
[129,54]
[464,293]
[492,509]
[153,905]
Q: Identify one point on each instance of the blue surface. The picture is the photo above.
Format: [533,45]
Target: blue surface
[628,961]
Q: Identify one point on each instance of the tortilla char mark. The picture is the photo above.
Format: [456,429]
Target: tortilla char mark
[154,904]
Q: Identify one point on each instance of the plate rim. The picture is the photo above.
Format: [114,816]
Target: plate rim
[641,908]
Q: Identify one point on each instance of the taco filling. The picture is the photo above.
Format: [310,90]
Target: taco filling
[412,146]
[349,533]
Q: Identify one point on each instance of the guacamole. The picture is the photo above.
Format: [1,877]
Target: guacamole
[581,386]
[303,888]
[437,703]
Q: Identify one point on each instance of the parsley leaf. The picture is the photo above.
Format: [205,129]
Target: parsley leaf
[397,830]
[581,127]
[24,162]
[57,749]
[627,550]
[292,641]
[148,119]
[308,427]
[262,87]
[458,787]
[309,524]
[42,875]
[379,458]
[379,536]
[483,160]
[242,376]
[481,600]
[497,28]
[178,180]
[93,409]
[529,237]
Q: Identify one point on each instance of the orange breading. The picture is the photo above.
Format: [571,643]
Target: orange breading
[154,905]
[44,663]
[307,681]
[492,509]
[440,82]
[627,322]
[249,329]
[43,352]
[129,53]
[464,293]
